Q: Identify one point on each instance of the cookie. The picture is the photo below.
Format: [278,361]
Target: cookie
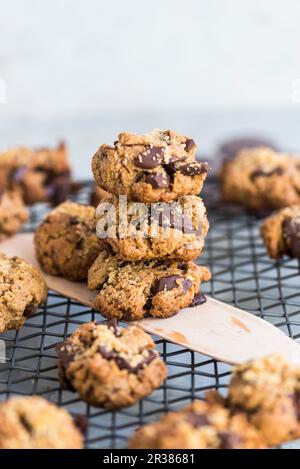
[109,366]
[261,179]
[173,230]
[13,213]
[34,423]
[42,175]
[66,243]
[97,195]
[158,166]
[22,290]
[200,425]
[281,233]
[267,390]
[133,290]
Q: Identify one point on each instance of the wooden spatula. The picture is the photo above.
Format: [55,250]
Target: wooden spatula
[215,329]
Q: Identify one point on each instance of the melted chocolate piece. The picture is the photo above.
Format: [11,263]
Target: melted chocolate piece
[183,266]
[17,174]
[81,422]
[291,235]
[30,310]
[189,144]
[113,324]
[193,169]
[169,283]
[152,158]
[261,173]
[198,299]
[59,187]
[158,180]
[65,356]
[122,363]
[197,420]
[229,440]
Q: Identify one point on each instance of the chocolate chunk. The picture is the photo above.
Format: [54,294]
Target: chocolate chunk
[152,158]
[25,423]
[169,283]
[158,180]
[197,420]
[261,173]
[65,356]
[113,324]
[170,168]
[229,440]
[81,422]
[74,220]
[124,364]
[193,169]
[183,266]
[17,174]
[291,235]
[58,188]
[198,299]
[30,310]
[189,144]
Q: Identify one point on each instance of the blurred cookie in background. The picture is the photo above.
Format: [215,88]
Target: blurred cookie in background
[230,148]
[97,195]
[41,175]
[13,213]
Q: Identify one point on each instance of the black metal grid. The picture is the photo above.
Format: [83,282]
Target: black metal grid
[243,275]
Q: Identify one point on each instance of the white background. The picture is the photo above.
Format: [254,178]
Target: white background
[87,69]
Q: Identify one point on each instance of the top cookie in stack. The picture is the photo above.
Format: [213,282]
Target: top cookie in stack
[156,231]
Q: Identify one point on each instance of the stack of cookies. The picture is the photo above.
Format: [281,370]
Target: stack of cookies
[153,223]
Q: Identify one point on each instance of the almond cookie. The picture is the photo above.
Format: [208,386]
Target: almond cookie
[261,179]
[34,423]
[267,390]
[22,290]
[200,425]
[133,290]
[158,166]
[109,366]
[42,175]
[173,230]
[13,213]
[281,233]
[66,243]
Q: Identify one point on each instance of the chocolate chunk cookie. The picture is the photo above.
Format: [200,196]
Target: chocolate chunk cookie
[158,166]
[201,425]
[231,148]
[13,213]
[66,242]
[109,366]
[42,175]
[34,423]
[173,230]
[22,290]
[281,233]
[133,290]
[268,391]
[261,179]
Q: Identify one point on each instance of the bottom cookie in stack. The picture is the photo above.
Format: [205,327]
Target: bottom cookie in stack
[134,290]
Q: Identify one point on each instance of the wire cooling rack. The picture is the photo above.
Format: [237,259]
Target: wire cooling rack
[243,275]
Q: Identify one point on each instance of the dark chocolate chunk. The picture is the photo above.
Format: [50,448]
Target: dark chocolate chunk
[169,283]
[122,363]
[65,356]
[261,173]
[198,299]
[189,144]
[17,174]
[25,423]
[197,420]
[150,159]
[193,169]
[74,220]
[58,188]
[81,422]
[113,324]
[183,266]
[291,235]
[158,180]
[170,168]
[229,440]
[30,310]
